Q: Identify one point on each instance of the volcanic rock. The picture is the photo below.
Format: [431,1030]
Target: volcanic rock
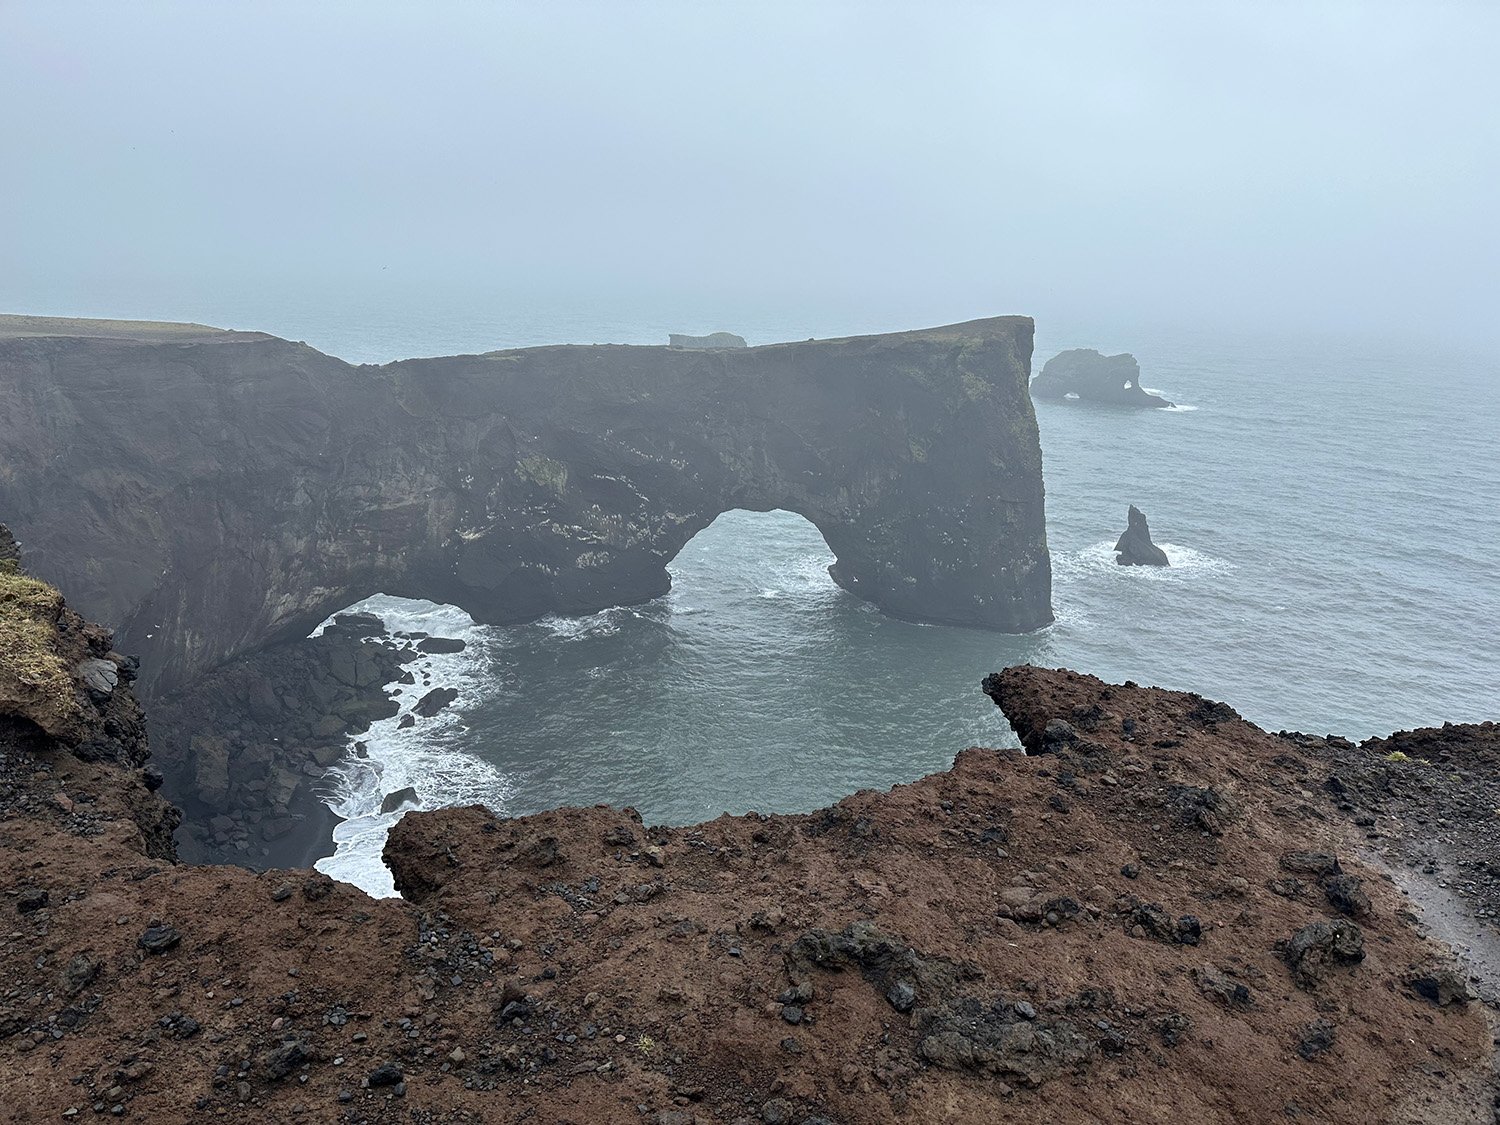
[1135,547]
[1319,946]
[1084,374]
[393,801]
[512,484]
[434,701]
[440,644]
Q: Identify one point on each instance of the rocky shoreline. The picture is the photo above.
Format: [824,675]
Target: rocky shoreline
[246,750]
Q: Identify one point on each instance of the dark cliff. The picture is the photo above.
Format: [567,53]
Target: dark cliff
[209,492]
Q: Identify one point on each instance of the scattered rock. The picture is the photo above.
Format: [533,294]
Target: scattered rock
[99,677]
[386,1074]
[403,796]
[360,624]
[1317,1038]
[1314,864]
[1058,733]
[159,939]
[1442,986]
[1319,946]
[1027,1052]
[1220,987]
[1346,895]
[434,701]
[32,899]
[901,995]
[81,971]
[441,644]
[281,1061]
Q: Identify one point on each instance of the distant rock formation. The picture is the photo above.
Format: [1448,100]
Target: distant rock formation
[283,484]
[712,340]
[1090,377]
[1135,547]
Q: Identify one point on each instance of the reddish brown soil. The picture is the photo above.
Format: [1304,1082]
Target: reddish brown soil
[576,967]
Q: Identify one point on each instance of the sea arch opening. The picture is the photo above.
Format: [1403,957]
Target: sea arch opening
[753,555]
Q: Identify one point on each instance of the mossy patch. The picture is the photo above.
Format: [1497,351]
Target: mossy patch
[544,471]
[31,672]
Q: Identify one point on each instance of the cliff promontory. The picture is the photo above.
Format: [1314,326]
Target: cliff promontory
[209,492]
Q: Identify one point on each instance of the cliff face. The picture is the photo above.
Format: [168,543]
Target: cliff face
[213,491]
[66,709]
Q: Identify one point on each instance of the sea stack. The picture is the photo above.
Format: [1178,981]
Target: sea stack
[1087,376]
[1135,547]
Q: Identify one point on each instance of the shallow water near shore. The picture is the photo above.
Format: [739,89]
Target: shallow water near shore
[1333,571]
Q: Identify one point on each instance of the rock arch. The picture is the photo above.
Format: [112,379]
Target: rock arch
[210,492]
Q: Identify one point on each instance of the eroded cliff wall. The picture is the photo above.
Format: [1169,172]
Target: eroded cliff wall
[209,492]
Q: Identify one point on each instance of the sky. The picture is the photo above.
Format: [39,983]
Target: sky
[1312,165]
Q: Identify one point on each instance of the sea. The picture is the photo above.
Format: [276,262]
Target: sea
[1330,507]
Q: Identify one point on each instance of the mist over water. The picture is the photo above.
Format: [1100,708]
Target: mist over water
[1333,571]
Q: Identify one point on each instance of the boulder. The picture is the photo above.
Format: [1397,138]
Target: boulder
[393,801]
[211,769]
[440,644]
[360,624]
[1087,376]
[434,701]
[99,676]
[1134,547]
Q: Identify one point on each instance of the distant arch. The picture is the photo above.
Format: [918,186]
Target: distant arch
[284,484]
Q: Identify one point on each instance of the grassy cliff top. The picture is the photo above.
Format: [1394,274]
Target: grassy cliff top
[34,680]
[13,326]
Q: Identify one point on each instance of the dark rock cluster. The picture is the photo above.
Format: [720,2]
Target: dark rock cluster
[244,750]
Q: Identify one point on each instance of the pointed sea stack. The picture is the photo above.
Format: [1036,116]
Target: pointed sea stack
[1135,547]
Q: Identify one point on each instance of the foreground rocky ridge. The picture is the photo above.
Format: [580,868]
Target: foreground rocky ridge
[1161,914]
[284,484]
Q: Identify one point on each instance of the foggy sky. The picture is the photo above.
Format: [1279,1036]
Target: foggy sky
[1317,165]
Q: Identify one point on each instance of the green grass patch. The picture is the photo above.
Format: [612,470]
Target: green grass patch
[29,610]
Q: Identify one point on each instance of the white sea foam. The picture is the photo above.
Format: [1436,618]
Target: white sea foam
[1099,558]
[429,756]
[1175,408]
[804,574]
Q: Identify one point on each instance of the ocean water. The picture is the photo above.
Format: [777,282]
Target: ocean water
[1332,515]
[1331,509]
